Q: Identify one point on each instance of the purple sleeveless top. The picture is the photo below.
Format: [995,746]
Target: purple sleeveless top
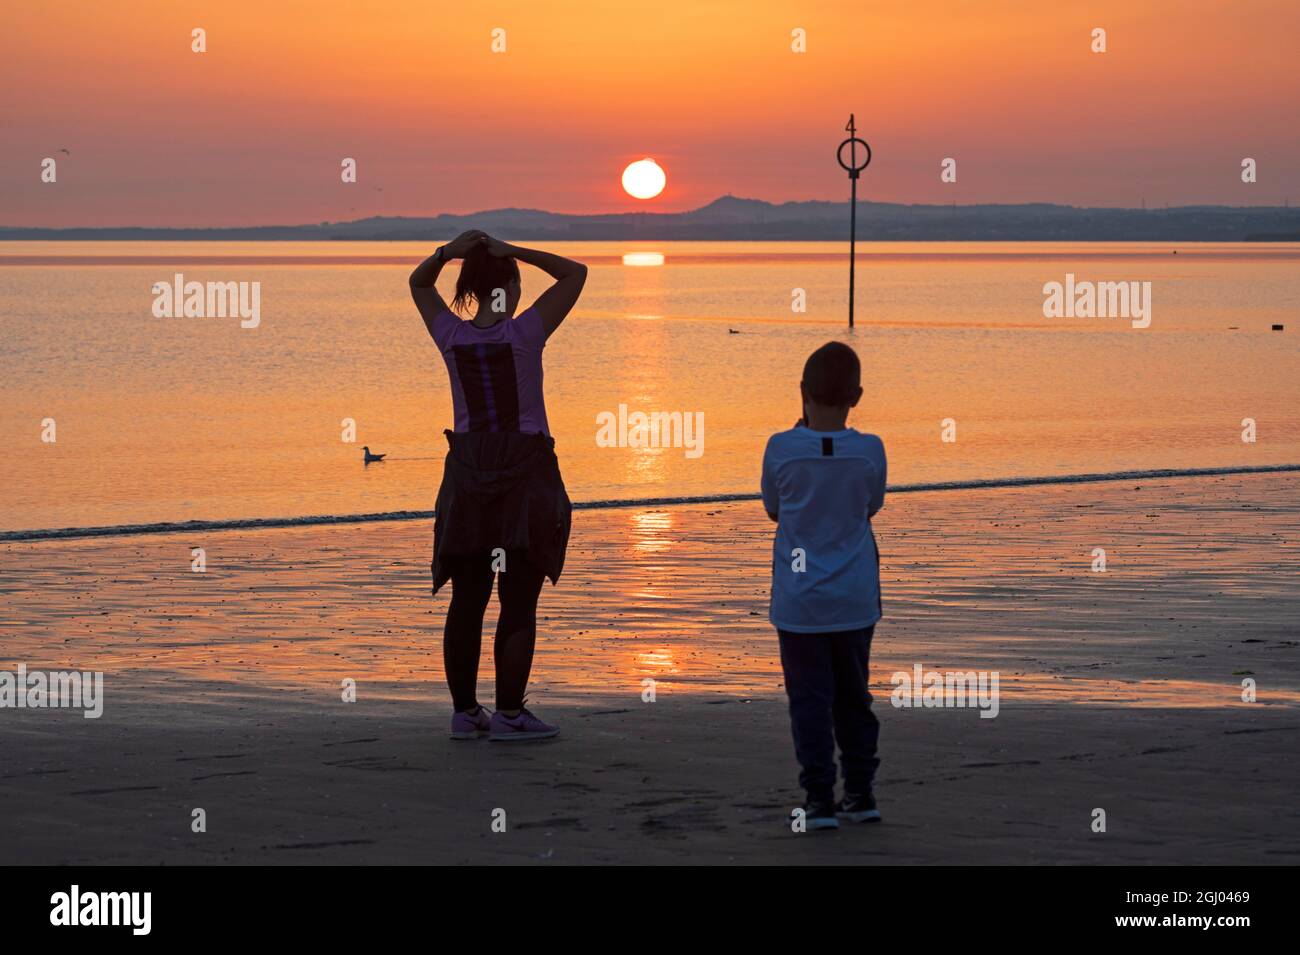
[496,373]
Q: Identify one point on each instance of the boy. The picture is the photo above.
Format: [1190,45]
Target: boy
[822,482]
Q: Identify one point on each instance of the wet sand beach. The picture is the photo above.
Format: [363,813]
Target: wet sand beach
[1119,690]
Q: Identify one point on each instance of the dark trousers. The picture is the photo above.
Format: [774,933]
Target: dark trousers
[826,681]
[518,588]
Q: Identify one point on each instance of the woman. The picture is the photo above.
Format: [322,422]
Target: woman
[502,507]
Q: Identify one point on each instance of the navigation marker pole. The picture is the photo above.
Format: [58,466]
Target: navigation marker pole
[854,170]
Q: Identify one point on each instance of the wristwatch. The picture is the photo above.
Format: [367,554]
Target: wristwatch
[440,255]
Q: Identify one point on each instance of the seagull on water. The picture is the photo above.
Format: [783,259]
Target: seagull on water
[372,457]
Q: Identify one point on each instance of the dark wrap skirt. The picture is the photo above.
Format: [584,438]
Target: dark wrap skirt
[500,489]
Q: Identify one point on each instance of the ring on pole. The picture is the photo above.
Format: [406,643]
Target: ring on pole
[853,169]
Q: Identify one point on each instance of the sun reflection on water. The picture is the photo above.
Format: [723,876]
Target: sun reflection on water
[651,531]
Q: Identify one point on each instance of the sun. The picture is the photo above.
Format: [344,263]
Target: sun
[644,179]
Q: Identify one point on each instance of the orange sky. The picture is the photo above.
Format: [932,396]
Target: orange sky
[252,131]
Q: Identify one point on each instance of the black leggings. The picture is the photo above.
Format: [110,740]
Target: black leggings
[518,587]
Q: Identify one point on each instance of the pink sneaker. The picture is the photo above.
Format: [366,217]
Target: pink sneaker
[473,725]
[524,726]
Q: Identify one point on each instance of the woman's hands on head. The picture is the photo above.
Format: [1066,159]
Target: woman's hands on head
[472,239]
[424,279]
[464,243]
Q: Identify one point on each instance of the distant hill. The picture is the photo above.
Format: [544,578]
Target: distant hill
[732,218]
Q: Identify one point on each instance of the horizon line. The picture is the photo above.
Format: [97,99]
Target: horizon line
[648,213]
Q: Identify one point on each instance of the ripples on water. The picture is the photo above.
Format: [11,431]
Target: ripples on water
[177,419]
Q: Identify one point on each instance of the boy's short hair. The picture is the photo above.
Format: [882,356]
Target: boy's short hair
[832,375]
